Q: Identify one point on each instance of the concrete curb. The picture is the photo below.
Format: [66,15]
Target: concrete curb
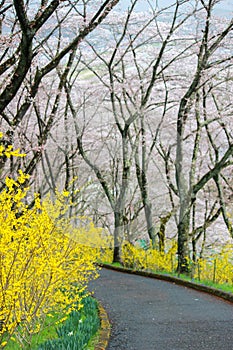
[105,329]
[200,287]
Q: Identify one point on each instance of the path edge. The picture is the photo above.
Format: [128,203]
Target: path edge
[189,284]
[105,329]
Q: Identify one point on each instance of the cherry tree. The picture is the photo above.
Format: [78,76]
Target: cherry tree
[144,106]
[144,91]
[38,39]
[209,63]
[128,81]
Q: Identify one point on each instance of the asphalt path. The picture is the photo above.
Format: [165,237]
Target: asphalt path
[149,314]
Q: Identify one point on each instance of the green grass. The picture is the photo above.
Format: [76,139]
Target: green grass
[93,341]
[81,327]
[48,332]
[117,264]
[224,287]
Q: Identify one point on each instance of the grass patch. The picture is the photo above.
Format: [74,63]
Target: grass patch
[93,341]
[117,264]
[78,332]
[224,287]
[48,332]
[221,286]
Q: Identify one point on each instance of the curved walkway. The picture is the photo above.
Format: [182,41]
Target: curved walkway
[149,314]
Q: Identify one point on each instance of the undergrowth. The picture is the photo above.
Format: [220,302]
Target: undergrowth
[75,333]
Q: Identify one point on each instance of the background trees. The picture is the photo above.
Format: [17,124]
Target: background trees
[140,112]
[37,39]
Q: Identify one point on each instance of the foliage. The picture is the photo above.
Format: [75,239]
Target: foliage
[43,269]
[139,258]
[106,255]
[47,331]
[76,331]
[215,268]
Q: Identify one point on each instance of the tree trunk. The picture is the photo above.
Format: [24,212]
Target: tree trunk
[118,233]
[162,229]
[183,241]
[149,222]
[141,173]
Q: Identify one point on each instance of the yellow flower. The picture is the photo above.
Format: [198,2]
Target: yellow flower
[43,269]
[22,177]
[65,193]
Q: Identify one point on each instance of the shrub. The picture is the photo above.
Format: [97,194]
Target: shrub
[215,268]
[43,266]
[138,258]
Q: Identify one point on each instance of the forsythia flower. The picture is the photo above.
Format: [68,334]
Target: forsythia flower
[22,177]
[43,270]
[9,151]
[65,193]
[139,258]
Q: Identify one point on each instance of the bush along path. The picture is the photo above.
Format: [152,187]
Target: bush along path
[151,314]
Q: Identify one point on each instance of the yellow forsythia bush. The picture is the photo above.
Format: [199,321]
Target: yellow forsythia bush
[216,268]
[43,269]
[151,259]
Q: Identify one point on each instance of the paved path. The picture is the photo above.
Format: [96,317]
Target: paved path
[148,314]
